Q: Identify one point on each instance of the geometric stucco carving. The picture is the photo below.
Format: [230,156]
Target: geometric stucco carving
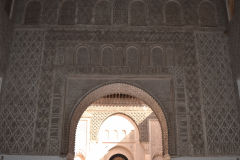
[220,109]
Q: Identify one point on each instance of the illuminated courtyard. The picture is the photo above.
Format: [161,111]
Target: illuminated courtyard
[112,126]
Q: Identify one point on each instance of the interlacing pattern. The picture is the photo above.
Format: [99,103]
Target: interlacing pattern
[219,99]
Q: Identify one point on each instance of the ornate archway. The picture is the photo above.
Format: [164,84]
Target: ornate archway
[119,152]
[118,157]
[112,89]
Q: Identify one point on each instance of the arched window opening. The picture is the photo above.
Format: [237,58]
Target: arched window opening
[82,56]
[173,13]
[107,56]
[207,14]
[138,13]
[120,12]
[33,13]
[155,12]
[84,11]
[133,57]
[157,57]
[67,13]
[103,13]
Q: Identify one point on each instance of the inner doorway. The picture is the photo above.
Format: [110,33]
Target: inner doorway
[118,157]
[118,126]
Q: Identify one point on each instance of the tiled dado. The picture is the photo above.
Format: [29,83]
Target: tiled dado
[26,157]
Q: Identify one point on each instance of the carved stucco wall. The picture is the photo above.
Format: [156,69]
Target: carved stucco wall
[45,80]
[21,92]
[219,101]
[156,12]
[5,37]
